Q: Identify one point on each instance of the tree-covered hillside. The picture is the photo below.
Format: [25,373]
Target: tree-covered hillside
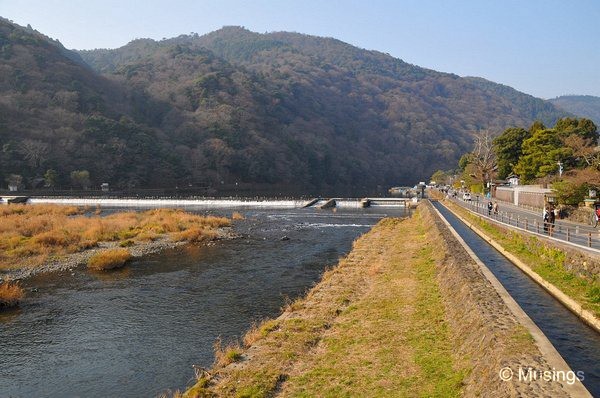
[237,107]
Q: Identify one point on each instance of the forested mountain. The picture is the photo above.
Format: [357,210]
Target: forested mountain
[233,106]
[56,113]
[580,105]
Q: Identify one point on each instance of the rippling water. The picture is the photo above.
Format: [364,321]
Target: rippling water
[136,332]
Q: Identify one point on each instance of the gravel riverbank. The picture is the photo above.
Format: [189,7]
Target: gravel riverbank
[71,261]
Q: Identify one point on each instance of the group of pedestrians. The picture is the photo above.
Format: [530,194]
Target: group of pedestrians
[550,214]
[492,207]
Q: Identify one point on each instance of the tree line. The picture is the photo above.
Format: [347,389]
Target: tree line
[236,108]
[566,156]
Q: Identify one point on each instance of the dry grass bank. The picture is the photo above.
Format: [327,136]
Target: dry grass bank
[10,294]
[32,234]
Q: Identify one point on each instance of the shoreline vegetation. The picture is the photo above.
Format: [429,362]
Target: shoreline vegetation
[109,259]
[10,294]
[40,238]
[406,313]
[567,269]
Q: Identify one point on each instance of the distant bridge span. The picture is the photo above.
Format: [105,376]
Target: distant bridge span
[326,203]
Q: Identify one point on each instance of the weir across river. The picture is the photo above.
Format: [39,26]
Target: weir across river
[322,203]
[250,203]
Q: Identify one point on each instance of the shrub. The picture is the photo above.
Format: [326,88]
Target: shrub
[195,234]
[570,193]
[109,259]
[54,238]
[10,294]
[127,243]
[215,222]
[237,216]
[148,236]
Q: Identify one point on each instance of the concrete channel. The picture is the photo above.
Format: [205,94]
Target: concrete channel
[575,341]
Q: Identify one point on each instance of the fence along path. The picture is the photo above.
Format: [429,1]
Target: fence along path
[575,234]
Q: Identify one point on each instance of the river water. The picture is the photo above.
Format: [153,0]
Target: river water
[137,331]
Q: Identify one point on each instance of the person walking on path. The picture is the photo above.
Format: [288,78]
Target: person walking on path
[551,220]
[489,207]
[495,208]
[545,218]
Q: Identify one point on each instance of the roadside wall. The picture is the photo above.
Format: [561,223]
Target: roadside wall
[533,199]
[505,194]
[524,195]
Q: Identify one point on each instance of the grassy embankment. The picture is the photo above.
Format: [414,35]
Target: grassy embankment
[374,326]
[30,235]
[545,259]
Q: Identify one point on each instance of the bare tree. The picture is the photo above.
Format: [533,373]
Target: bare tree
[584,149]
[483,157]
[35,152]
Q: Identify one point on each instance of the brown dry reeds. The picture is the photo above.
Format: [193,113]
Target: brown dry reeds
[109,259]
[237,216]
[195,234]
[10,294]
[30,234]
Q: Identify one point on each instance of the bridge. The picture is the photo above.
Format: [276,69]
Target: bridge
[327,203]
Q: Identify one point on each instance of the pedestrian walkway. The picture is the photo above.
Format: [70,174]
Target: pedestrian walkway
[575,234]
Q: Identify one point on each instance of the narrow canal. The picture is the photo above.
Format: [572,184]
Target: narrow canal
[136,332]
[578,344]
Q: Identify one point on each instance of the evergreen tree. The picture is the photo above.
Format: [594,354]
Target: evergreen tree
[541,154]
[508,148]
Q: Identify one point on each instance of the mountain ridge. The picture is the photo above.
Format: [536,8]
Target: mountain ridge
[580,105]
[239,107]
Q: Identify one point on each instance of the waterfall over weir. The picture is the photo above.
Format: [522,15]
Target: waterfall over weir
[197,203]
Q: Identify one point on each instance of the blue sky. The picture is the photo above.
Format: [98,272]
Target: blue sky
[542,47]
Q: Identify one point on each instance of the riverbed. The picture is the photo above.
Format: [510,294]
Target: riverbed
[136,332]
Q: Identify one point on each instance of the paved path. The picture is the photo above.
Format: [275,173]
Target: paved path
[577,234]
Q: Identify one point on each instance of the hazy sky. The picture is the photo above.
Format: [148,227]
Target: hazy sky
[542,47]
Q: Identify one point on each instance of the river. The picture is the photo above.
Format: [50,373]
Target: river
[137,331]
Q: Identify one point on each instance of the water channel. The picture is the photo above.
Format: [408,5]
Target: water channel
[137,331]
[578,344]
